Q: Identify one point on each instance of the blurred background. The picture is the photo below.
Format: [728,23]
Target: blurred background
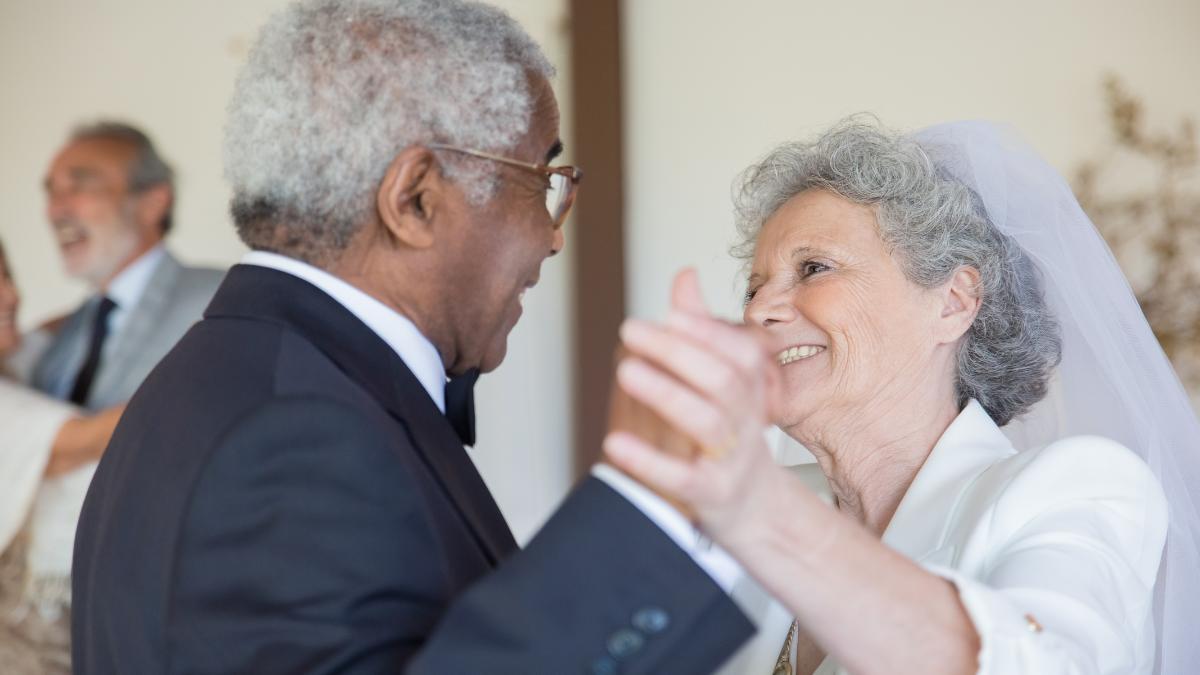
[693,92]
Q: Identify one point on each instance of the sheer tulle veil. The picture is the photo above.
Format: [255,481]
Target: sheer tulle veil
[1114,379]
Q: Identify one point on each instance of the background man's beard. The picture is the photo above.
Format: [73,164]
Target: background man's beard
[108,260]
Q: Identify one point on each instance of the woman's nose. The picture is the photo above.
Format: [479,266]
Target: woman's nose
[768,308]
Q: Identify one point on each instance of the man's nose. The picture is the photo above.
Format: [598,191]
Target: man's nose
[559,241]
[57,207]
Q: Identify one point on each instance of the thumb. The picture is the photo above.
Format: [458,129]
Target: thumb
[685,294]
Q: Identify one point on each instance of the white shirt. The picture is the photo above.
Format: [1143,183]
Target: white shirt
[422,358]
[125,290]
[417,352]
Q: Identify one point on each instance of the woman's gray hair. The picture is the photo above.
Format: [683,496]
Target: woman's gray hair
[933,225]
[333,90]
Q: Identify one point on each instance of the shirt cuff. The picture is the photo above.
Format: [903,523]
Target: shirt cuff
[718,564]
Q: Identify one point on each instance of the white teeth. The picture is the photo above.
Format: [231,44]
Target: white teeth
[793,354]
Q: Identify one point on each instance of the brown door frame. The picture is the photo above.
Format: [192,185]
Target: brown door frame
[598,244]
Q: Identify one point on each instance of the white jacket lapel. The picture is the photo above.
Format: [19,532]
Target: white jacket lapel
[970,445]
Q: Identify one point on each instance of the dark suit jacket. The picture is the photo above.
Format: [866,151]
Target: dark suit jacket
[282,496]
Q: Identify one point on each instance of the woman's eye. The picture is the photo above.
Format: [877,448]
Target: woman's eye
[750,293]
[810,268]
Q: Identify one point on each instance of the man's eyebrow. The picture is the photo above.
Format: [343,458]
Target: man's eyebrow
[555,151]
[76,173]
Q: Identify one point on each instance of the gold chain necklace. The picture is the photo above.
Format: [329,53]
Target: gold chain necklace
[783,665]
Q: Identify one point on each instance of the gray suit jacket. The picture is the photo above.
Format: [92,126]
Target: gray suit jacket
[173,300]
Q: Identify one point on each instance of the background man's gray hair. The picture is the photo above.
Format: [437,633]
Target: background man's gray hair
[932,225]
[148,169]
[334,89]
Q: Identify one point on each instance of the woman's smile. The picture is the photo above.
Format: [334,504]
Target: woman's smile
[797,353]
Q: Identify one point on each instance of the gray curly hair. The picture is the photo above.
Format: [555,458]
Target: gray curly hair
[933,225]
[333,90]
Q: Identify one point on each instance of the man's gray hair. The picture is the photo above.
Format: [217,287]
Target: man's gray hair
[334,89]
[933,225]
[148,169]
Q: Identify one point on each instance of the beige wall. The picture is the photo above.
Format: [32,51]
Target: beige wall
[169,67]
[713,85]
[710,87]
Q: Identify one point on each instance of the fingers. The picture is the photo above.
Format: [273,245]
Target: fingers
[685,294]
[745,346]
[678,404]
[725,363]
[662,473]
[690,362]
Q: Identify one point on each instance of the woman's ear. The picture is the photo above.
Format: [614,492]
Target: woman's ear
[410,196]
[959,304]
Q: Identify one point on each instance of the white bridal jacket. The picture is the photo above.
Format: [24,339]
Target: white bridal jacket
[1054,551]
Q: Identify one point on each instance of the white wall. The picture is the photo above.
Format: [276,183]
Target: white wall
[169,67]
[712,86]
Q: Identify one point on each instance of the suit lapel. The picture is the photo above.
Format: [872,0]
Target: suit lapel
[270,295]
[64,355]
[139,327]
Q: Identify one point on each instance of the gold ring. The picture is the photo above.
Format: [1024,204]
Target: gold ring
[719,451]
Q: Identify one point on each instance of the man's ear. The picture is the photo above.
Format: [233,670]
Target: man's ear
[410,195]
[152,205]
[959,303]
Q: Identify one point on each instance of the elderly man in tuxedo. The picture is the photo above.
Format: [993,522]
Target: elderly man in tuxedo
[288,492]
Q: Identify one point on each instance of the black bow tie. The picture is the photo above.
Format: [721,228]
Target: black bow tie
[460,405]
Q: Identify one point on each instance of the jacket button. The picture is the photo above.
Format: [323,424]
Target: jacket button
[604,665]
[651,620]
[625,642]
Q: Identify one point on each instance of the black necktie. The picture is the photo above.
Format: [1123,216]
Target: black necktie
[460,405]
[91,363]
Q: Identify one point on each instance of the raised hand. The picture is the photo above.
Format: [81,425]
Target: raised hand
[717,384]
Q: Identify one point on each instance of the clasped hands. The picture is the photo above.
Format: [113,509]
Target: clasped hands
[694,397]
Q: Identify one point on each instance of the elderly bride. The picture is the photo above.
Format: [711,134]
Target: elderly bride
[919,294]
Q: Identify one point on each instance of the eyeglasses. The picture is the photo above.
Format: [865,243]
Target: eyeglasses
[562,181]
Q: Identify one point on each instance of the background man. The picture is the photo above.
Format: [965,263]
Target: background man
[109,199]
[285,494]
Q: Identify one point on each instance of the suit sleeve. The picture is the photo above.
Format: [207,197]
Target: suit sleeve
[306,551]
[601,590]
[1079,535]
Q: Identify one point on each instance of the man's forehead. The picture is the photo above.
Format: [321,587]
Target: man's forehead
[544,123]
[93,155]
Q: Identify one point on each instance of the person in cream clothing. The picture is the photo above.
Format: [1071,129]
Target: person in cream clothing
[1002,448]
[48,449]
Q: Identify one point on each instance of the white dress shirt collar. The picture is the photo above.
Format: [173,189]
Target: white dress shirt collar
[401,334]
[127,287]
